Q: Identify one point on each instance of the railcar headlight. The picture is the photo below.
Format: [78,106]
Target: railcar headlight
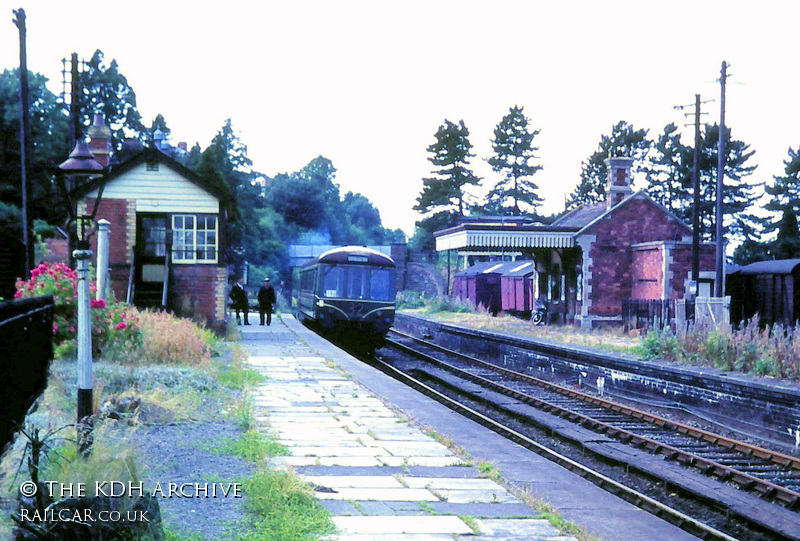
[321,303]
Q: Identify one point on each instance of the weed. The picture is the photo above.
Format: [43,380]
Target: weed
[236,375]
[284,509]
[470,521]
[243,411]
[489,470]
[253,446]
[358,507]
[426,507]
[769,351]
[447,441]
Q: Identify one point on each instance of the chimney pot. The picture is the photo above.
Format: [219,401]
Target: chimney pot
[100,139]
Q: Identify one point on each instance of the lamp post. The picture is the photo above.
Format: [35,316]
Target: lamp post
[81,165]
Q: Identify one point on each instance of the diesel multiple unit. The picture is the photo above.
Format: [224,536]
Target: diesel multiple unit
[347,289]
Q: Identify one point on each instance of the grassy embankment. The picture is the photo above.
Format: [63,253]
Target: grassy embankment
[184,376]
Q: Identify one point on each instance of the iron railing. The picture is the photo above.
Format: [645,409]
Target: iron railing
[26,340]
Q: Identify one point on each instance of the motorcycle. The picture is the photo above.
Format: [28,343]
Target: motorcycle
[539,317]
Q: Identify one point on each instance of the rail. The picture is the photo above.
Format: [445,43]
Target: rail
[784,523]
[673,516]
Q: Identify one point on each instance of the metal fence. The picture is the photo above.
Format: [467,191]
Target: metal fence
[26,340]
[656,313]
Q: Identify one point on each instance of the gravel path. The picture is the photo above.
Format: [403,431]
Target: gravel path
[181,454]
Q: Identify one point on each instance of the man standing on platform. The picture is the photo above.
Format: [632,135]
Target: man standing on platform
[266,298]
[239,297]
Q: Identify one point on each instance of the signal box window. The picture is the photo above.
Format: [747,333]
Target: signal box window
[195,238]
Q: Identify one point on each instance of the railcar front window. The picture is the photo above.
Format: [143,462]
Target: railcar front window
[332,282]
[357,283]
[381,285]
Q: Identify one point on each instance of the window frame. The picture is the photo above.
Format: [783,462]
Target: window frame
[194,246]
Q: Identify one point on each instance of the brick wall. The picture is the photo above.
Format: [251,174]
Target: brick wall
[400,255]
[637,221]
[57,251]
[682,266]
[648,272]
[122,238]
[202,287]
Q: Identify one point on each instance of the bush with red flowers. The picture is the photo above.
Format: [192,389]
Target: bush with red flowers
[115,327]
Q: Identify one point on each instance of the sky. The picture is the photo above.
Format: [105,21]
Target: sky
[367,84]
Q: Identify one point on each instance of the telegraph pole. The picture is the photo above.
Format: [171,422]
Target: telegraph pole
[696,206]
[24,135]
[696,197]
[719,289]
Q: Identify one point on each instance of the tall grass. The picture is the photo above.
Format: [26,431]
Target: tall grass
[441,303]
[168,339]
[764,351]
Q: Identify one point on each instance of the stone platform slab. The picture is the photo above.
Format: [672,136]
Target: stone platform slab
[381,477]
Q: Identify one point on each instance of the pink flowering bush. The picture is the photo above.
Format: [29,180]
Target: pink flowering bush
[115,327]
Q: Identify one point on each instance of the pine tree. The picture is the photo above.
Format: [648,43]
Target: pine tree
[450,155]
[785,192]
[513,155]
[787,244]
[671,173]
[738,195]
[623,141]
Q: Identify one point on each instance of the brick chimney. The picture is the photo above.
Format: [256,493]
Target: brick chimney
[619,180]
[100,140]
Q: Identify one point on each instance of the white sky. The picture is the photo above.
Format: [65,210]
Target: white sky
[367,83]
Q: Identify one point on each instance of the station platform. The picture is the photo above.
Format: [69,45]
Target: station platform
[355,434]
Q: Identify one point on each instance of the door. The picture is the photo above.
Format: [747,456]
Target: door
[151,249]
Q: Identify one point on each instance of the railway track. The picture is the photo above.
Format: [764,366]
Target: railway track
[723,462]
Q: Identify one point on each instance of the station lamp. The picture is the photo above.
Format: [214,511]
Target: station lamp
[80,170]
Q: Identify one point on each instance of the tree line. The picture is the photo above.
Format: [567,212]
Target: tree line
[266,214]
[662,167]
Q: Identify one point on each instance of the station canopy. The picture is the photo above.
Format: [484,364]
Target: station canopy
[493,232]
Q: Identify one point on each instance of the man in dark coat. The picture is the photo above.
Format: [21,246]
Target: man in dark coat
[239,297]
[266,298]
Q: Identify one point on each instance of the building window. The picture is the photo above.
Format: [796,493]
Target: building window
[152,166]
[195,238]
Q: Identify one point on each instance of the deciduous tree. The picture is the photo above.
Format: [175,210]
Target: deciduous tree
[107,91]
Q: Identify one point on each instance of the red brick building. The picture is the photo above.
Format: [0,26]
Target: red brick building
[166,229]
[594,257]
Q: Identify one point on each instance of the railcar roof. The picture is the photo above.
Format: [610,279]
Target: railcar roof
[356,254]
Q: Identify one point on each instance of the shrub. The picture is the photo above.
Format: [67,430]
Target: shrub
[115,329]
[446,303]
[409,299]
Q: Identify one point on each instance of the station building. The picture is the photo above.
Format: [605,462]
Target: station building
[596,256]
